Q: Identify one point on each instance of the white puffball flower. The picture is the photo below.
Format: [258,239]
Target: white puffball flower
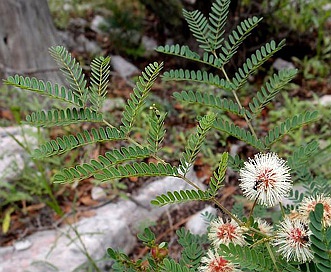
[292,238]
[213,262]
[225,232]
[266,178]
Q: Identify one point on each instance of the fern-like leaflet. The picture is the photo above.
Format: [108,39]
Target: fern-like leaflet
[139,95]
[72,70]
[217,20]
[180,51]
[180,197]
[218,175]
[288,125]
[236,37]
[197,76]
[271,89]
[66,117]
[47,89]
[320,239]
[199,27]
[110,159]
[135,170]
[63,144]
[194,143]
[210,100]
[239,133]
[156,131]
[100,71]
[254,62]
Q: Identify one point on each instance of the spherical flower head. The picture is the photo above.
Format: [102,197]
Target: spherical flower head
[293,241]
[308,204]
[225,232]
[264,227]
[213,262]
[265,178]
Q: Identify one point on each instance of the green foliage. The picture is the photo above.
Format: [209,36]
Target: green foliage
[194,143]
[320,239]
[218,176]
[109,160]
[51,118]
[100,71]
[72,71]
[139,95]
[44,88]
[66,143]
[271,89]
[156,131]
[239,133]
[210,100]
[180,197]
[248,258]
[288,125]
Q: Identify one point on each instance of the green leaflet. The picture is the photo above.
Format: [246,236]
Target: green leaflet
[109,160]
[72,71]
[60,117]
[139,95]
[45,88]
[66,143]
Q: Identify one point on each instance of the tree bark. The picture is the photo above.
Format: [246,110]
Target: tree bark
[26,33]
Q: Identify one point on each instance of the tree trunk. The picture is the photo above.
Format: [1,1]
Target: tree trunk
[26,33]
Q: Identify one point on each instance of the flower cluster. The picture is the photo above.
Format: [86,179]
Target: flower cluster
[265,179]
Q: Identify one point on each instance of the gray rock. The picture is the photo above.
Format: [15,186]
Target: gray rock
[98,22]
[149,44]
[197,223]
[13,157]
[112,104]
[325,100]
[124,68]
[114,225]
[281,64]
[97,193]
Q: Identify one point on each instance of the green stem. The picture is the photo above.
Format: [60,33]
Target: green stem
[240,106]
[254,204]
[282,209]
[272,256]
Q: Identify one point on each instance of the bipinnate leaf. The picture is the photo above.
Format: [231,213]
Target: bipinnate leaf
[254,62]
[62,117]
[194,142]
[320,239]
[136,169]
[270,89]
[180,197]
[218,176]
[95,166]
[211,100]
[139,95]
[44,88]
[66,143]
[235,38]
[237,132]
[72,71]
[289,125]
[156,131]
[100,71]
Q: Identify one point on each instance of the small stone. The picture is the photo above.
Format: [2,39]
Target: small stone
[325,100]
[197,224]
[124,68]
[149,44]
[98,23]
[281,64]
[97,193]
[22,245]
